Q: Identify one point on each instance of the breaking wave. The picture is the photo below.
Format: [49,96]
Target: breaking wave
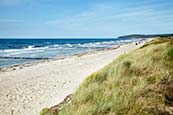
[33,49]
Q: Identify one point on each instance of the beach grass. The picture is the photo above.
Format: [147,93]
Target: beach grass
[137,83]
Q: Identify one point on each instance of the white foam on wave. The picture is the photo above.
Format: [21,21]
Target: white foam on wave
[69,45]
[60,48]
[85,45]
[29,47]
[97,44]
[26,50]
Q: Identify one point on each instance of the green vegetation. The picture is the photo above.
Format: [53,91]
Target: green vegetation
[46,111]
[170,53]
[137,83]
[145,35]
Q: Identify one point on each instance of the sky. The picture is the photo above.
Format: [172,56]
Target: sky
[84,18]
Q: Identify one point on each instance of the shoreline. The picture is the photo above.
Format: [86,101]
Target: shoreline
[28,64]
[28,90]
[7,68]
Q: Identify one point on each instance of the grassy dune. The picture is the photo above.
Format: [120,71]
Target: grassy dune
[137,83]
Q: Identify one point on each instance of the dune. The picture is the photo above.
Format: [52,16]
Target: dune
[27,89]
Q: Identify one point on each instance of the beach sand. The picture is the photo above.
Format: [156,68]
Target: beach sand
[26,90]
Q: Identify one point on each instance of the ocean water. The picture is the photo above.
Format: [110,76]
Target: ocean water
[17,51]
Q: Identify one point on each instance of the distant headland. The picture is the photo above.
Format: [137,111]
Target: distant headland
[145,35]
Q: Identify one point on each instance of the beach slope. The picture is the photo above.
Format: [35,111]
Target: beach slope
[137,83]
[26,90]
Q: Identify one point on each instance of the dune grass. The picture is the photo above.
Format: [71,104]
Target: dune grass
[137,83]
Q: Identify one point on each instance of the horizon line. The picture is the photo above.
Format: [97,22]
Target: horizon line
[116,36]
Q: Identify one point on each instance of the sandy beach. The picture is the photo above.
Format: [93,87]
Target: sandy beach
[26,90]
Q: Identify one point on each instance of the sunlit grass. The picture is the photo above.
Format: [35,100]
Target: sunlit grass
[137,83]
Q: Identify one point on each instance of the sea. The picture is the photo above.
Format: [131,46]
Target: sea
[19,51]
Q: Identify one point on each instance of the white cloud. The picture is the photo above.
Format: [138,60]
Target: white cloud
[99,20]
[108,19]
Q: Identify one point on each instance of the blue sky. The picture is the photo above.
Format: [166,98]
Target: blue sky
[84,18]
